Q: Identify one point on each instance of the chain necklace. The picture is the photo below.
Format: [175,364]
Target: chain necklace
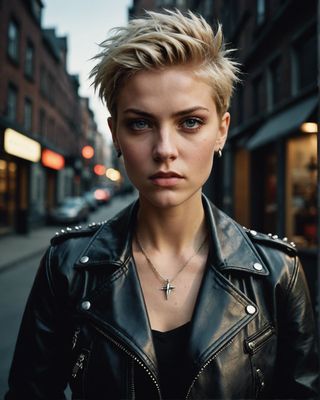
[167,288]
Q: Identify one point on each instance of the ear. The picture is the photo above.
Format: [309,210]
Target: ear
[112,127]
[223,131]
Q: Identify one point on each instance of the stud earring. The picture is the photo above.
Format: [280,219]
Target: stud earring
[219,153]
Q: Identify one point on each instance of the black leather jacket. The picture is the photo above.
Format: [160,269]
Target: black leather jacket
[252,332]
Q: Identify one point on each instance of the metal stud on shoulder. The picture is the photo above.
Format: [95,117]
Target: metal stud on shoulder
[275,237]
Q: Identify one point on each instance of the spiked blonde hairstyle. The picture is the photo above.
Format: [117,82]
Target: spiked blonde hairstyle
[161,40]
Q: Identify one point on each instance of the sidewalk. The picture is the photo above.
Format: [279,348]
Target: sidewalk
[15,249]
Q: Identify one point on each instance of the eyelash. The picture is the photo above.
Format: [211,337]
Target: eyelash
[132,124]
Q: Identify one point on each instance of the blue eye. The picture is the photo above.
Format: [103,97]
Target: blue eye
[192,123]
[139,124]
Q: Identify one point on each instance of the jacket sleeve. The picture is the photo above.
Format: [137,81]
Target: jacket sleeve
[40,364]
[298,366]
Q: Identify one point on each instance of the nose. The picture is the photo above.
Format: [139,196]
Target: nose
[165,147]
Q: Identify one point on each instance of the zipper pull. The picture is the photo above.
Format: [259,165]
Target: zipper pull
[260,379]
[78,365]
[75,338]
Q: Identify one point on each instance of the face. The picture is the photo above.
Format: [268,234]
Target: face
[168,129]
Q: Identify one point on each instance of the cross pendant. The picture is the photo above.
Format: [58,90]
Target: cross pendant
[167,288]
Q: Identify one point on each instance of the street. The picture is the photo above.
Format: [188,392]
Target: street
[15,284]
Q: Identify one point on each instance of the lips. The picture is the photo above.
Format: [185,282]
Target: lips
[165,175]
[166,178]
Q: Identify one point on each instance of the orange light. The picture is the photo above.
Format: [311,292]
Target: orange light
[99,169]
[87,152]
[52,160]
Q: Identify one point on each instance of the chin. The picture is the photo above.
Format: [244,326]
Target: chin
[167,199]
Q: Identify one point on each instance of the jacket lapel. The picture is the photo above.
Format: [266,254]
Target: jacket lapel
[221,309]
[117,304]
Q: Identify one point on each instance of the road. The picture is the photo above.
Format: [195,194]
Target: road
[15,285]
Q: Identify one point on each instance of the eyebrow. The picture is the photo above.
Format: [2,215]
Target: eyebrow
[177,114]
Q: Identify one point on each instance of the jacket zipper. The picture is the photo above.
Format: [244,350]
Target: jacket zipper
[206,364]
[253,344]
[136,359]
[260,384]
[133,392]
[79,364]
[75,338]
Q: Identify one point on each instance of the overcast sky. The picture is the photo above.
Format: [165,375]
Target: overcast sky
[85,23]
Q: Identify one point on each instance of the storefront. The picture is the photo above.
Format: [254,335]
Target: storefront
[275,180]
[18,152]
[54,163]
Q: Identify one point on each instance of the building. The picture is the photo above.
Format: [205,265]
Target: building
[40,110]
[267,177]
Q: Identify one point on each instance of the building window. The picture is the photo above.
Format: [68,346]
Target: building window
[261,11]
[301,207]
[12,101]
[305,62]
[42,123]
[43,81]
[27,121]
[257,95]
[13,40]
[274,83]
[29,60]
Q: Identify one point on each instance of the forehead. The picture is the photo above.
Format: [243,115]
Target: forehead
[177,86]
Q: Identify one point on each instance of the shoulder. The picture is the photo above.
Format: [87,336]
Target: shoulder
[76,232]
[271,241]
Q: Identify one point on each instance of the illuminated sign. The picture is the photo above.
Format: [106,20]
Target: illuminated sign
[87,152]
[21,146]
[52,160]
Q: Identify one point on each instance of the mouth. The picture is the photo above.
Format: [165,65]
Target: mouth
[166,179]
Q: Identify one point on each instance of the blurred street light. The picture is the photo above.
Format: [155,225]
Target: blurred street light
[87,152]
[113,174]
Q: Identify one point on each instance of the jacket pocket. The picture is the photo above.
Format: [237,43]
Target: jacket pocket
[257,340]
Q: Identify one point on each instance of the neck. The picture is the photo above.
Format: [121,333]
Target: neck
[171,229]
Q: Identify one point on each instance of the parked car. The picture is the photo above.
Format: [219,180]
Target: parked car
[70,210]
[91,200]
[103,195]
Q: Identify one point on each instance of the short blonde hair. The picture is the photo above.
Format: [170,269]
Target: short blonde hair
[161,40]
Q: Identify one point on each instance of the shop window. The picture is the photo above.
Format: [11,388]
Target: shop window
[301,218]
[29,61]
[27,121]
[12,101]
[13,40]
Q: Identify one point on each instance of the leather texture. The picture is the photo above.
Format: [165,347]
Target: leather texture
[86,322]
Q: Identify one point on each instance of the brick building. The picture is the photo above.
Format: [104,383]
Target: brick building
[39,117]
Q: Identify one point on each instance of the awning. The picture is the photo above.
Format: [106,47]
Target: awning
[283,123]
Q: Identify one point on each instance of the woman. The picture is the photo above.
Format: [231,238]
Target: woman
[171,298]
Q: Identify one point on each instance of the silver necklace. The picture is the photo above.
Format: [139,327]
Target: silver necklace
[168,287]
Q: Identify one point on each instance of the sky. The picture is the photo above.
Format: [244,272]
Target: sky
[86,23]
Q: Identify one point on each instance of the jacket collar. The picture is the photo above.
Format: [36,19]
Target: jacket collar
[117,303]
[231,248]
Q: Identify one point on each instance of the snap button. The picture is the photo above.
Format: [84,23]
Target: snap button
[257,266]
[84,259]
[86,305]
[250,309]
